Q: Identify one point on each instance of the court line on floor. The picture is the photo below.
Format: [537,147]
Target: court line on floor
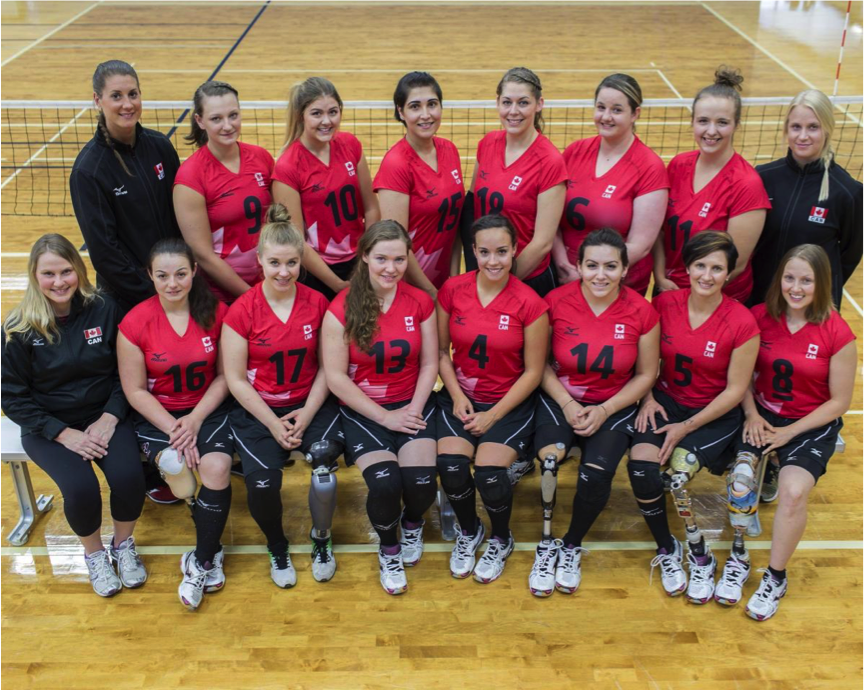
[356,70]
[221,63]
[49,34]
[159,550]
[853,302]
[670,85]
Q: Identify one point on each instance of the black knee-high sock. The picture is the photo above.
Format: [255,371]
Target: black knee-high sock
[211,515]
[384,502]
[592,493]
[263,489]
[419,486]
[495,489]
[648,489]
[458,485]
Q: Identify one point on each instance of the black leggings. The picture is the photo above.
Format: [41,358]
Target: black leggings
[76,478]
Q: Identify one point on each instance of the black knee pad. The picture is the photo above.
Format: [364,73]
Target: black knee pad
[455,472]
[263,491]
[419,485]
[384,502]
[494,485]
[645,479]
[594,486]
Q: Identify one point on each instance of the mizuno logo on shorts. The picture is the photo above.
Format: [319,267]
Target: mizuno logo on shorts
[382,473]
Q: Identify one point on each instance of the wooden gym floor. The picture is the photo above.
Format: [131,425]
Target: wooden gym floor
[617,631]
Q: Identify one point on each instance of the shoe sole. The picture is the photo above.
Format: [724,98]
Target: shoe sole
[565,589]
[159,501]
[111,594]
[541,593]
[725,601]
[700,601]
[395,592]
[461,576]
[215,588]
[676,593]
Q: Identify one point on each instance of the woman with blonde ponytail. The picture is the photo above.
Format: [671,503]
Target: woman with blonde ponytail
[814,199]
[121,187]
[323,179]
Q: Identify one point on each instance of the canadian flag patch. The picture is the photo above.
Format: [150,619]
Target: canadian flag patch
[818,214]
[93,333]
[160,171]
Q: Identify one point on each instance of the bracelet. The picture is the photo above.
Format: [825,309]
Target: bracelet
[572,400]
[600,405]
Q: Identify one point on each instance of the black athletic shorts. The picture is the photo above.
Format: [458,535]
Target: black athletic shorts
[811,450]
[213,437]
[259,450]
[545,282]
[515,429]
[363,436]
[552,428]
[713,444]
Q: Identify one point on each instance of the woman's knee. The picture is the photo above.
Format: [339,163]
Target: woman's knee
[215,470]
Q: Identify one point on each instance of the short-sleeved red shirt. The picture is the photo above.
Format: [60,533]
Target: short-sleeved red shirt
[283,357]
[607,201]
[488,342]
[595,356]
[513,190]
[236,205]
[735,190]
[791,377]
[388,371]
[435,201]
[696,361]
[180,369]
[330,195]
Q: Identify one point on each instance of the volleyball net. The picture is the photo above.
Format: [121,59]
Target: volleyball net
[41,139]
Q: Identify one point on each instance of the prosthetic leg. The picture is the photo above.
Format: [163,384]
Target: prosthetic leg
[447,516]
[323,456]
[549,488]
[173,469]
[683,467]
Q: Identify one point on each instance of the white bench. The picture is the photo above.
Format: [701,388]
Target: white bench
[31,507]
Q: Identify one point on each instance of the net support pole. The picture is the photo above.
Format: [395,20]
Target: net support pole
[842,45]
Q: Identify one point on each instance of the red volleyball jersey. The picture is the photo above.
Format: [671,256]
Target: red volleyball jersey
[607,201]
[595,356]
[696,361]
[330,195]
[488,352]
[388,371]
[735,190]
[180,369]
[791,377]
[236,205]
[513,190]
[283,357]
[435,201]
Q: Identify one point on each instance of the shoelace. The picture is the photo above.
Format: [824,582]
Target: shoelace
[413,536]
[494,550]
[568,558]
[668,565]
[733,571]
[463,546]
[102,570]
[393,564]
[546,560]
[282,561]
[128,557]
[200,577]
[321,551]
[699,572]
[765,591]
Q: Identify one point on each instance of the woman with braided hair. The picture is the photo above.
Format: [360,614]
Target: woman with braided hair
[121,187]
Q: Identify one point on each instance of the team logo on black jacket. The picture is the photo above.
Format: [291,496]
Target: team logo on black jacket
[93,335]
[160,171]
[818,214]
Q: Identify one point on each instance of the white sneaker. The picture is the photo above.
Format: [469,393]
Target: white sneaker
[281,569]
[541,580]
[672,574]
[216,576]
[701,587]
[462,558]
[568,575]
[519,469]
[764,602]
[392,570]
[102,576]
[323,561]
[412,545]
[191,590]
[735,574]
[491,565]
[130,568]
